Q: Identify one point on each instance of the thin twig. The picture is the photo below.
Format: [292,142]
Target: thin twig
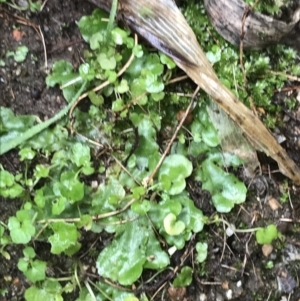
[43,5]
[117,160]
[96,217]
[44,47]
[150,178]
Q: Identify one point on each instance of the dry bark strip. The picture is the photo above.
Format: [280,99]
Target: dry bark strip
[162,24]
[257,31]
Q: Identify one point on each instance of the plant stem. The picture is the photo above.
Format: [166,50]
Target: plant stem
[232,227]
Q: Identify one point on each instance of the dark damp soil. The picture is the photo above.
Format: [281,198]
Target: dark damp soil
[235,269]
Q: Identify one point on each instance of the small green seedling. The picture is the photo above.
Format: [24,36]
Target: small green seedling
[9,188]
[184,278]
[34,270]
[269,265]
[49,290]
[19,55]
[265,236]
[201,251]
[21,226]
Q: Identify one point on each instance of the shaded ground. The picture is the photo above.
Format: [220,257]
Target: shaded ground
[235,268]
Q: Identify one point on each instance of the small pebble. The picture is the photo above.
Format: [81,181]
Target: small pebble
[202,297]
[267,250]
[229,294]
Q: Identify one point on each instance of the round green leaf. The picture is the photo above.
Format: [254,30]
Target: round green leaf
[266,235]
[173,172]
[107,63]
[172,226]
[184,278]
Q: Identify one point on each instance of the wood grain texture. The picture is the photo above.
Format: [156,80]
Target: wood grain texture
[259,30]
[161,23]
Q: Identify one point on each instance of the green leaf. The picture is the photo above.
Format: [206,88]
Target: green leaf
[86,72]
[39,198]
[21,54]
[96,99]
[118,105]
[119,35]
[184,210]
[65,236]
[26,153]
[34,6]
[201,251]
[158,96]
[58,205]
[12,126]
[111,76]
[23,264]
[35,271]
[175,168]
[90,25]
[153,83]
[135,68]
[87,170]
[108,196]
[141,208]
[29,252]
[104,292]
[153,64]
[50,140]
[96,40]
[146,155]
[122,87]
[184,278]
[166,60]
[269,265]
[62,73]
[214,55]
[137,51]
[80,154]
[138,192]
[124,258]
[267,235]
[172,226]
[41,171]
[131,298]
[86,221]
[107,62]
[69,187]
[138,88]
[50,291]
[6,179]
[10,122]
[203,129]
[21,227]
[192,217]
[13,191]
[225,188]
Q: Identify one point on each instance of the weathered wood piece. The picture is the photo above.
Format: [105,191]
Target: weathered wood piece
[235,21]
